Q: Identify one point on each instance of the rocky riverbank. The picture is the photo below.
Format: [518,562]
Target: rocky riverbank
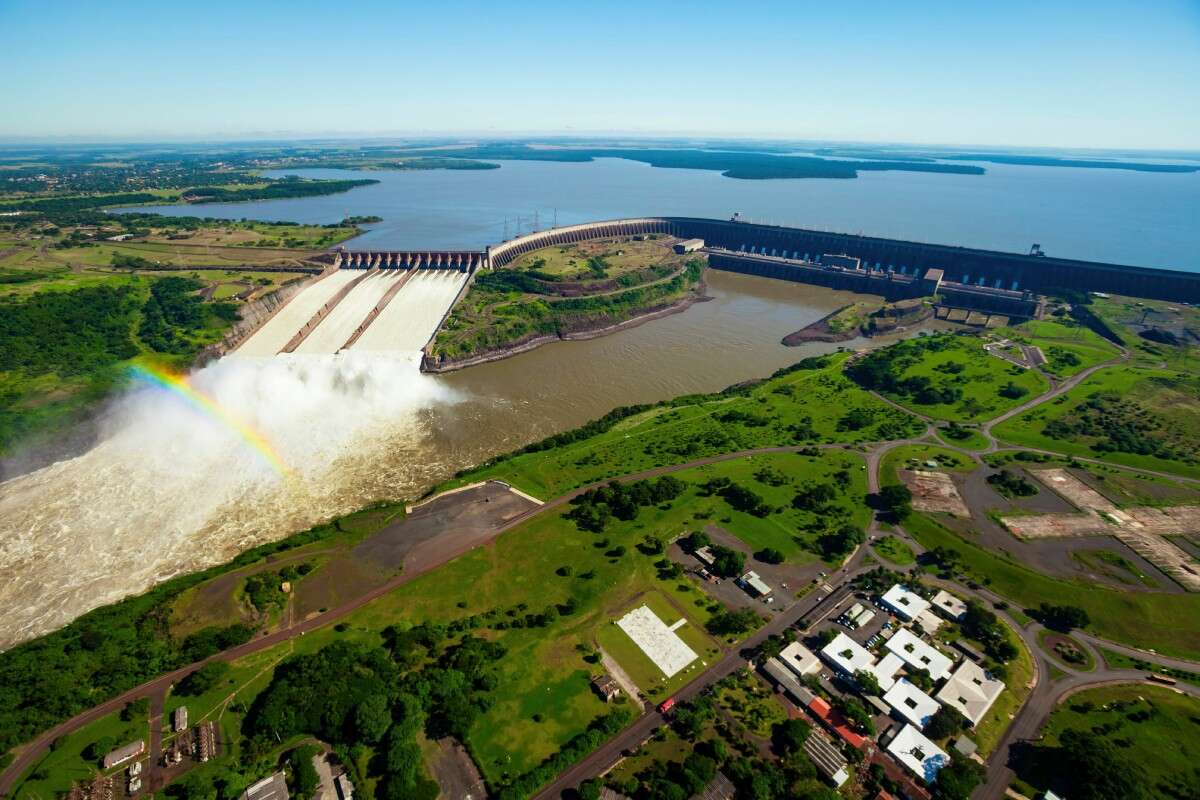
[598,328]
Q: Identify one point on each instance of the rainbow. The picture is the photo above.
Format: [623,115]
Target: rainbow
[178,386]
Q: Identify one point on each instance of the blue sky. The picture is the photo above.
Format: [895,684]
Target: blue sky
[1066,74]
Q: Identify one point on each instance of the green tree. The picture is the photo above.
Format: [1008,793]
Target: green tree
[867,682]
[896,499]
[958,779]
[727,562]
[789,736]
[203,679]
[372,718]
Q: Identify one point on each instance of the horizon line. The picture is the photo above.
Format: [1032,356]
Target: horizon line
[333,137]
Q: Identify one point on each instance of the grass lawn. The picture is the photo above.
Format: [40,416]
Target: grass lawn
[914,456]
[808,405]
[969,440]
[644,672]
[567,289]
[895,551]
[53,775]
[1055,644]
[1168,623]
[1115,566]
[1121,661]
[960,366]
[791,531]
[1069,347]
[1138,417]
[543,697]
[750,702]
[1156,729]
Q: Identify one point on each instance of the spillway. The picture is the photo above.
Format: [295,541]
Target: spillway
[278,331]
[408,322]
[333,331]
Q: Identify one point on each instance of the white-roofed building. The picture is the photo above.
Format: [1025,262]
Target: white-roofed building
[799,659]
[970,691]
[913,750]
[863,618]
[885,670]
[949,606]
[910,703]
[928,621]
[917,654]
[752,583]
[846,655]
[904,603]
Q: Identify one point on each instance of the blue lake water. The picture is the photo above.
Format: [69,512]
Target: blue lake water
[1124,217]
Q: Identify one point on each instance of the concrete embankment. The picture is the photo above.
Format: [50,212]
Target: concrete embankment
[409,321]
[275,333]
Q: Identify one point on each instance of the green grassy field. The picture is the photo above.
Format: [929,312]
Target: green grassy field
[1126,315]
[895,551]
[545,673]
[575,288]
[916,456]
[1069,347]
[956,366]
[1141,418]
[644,672]
[991,728]
[750,702]
[808,405]
[1154,727]
[53,775]
[1115,566]
[972,440]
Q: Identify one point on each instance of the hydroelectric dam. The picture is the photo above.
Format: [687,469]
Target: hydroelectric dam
[375,300]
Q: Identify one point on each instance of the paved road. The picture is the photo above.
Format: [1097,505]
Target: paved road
[420,561]
[434,556]
[608,754]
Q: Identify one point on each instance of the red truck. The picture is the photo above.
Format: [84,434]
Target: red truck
[666,705]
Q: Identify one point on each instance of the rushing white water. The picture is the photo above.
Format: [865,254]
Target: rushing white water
[128,513]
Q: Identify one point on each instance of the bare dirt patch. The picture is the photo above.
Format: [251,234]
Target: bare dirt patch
[934,491]
[1142,529]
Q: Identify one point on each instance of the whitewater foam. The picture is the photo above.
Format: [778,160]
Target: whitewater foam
[169,490]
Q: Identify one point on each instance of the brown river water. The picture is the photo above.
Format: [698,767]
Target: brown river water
[169,489]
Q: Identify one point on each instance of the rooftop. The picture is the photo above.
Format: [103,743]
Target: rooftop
[917,654]
[970,691]
[905,603]
[949,605]
[928,621]
[756,583]
[847,655]
[912,704]
[826,755]
[784,677]
[271,788]
[799,659]
[921,756]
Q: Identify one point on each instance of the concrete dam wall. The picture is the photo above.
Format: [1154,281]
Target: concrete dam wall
[963,265]
[396,300]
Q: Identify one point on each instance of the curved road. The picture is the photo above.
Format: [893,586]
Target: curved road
[1031,717]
